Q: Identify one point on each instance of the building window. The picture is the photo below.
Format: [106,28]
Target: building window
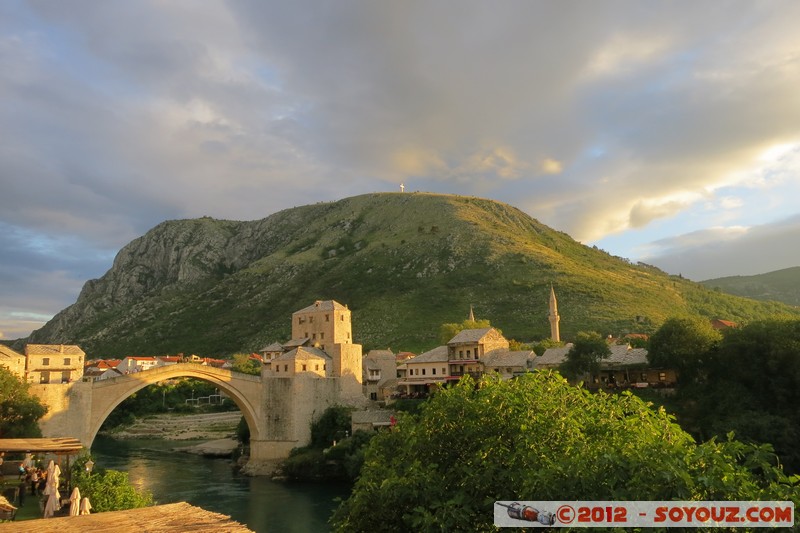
[468,353]
[662,376]
[444,371]
[461,354]
[434,372]
[643,376]
[373,396]
[314,336]
[316,367]
[304,368]
[508,370]
[423,371]
[324,367]
[322,335]
[311,320]
[341,317]
[327,318]
[65,376]
[46,361]
[277,368]
[44,377]
[285,368]
[66,361]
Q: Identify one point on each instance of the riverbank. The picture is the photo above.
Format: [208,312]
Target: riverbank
[216,430]
[178,427]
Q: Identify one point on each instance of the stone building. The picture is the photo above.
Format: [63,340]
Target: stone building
[53,363]
[471,351]
[325,323]
[322,343]
[12,360]
[379,367]
[302,359]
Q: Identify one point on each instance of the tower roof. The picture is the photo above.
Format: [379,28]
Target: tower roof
[322,305]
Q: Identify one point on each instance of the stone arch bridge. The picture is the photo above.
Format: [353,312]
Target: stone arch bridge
[278,411]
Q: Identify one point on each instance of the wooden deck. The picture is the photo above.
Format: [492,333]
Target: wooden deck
[170,518]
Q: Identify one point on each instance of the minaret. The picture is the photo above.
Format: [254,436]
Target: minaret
[471,316]
[553,316]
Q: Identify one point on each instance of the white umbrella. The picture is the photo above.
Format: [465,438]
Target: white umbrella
[85,506]
[52,505]
[74,502]
[53,471]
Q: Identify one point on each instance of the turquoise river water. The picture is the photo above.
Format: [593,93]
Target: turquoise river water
[258,502]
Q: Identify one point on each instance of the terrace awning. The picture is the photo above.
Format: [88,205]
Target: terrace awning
[170,518]
[64,445]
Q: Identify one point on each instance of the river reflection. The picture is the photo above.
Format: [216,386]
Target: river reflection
[258,502]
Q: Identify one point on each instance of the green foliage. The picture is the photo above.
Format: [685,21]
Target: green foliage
[334,424]
[537,437]
[751,387]
[306,464]
[588,350]
[780,285]
[448,331]
[516,346]
[340,462]
[243,431]
[108,490]
[242,363]
[541,346]
[333,452]
[19,409]
[684,344]
[408,405]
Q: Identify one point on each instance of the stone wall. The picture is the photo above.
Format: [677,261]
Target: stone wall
[69,409]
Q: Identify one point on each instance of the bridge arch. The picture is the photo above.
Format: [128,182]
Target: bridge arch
[243,389]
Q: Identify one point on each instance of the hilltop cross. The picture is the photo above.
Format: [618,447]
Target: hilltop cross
[402,187]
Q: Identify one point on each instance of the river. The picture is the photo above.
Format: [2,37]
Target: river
[261,504]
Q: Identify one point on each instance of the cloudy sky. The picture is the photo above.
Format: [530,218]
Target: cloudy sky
[664,132]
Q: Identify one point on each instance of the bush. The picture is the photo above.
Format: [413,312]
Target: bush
[537,437]
[334,424]
[108,490]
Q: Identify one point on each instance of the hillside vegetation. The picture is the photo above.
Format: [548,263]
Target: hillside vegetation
[780,286]
[404,263]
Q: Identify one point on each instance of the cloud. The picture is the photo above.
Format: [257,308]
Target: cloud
[551,166]
[597,119]
[720,252]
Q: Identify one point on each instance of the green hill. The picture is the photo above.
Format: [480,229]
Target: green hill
[780,286]
[404,263]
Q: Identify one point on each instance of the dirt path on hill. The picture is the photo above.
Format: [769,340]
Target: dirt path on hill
[205,426]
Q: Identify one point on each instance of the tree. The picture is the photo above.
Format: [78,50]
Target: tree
[683,344]
[448,331]
[242,363]
[537,437]
[588,350]
[752,387]
[541,346]
[20,410]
